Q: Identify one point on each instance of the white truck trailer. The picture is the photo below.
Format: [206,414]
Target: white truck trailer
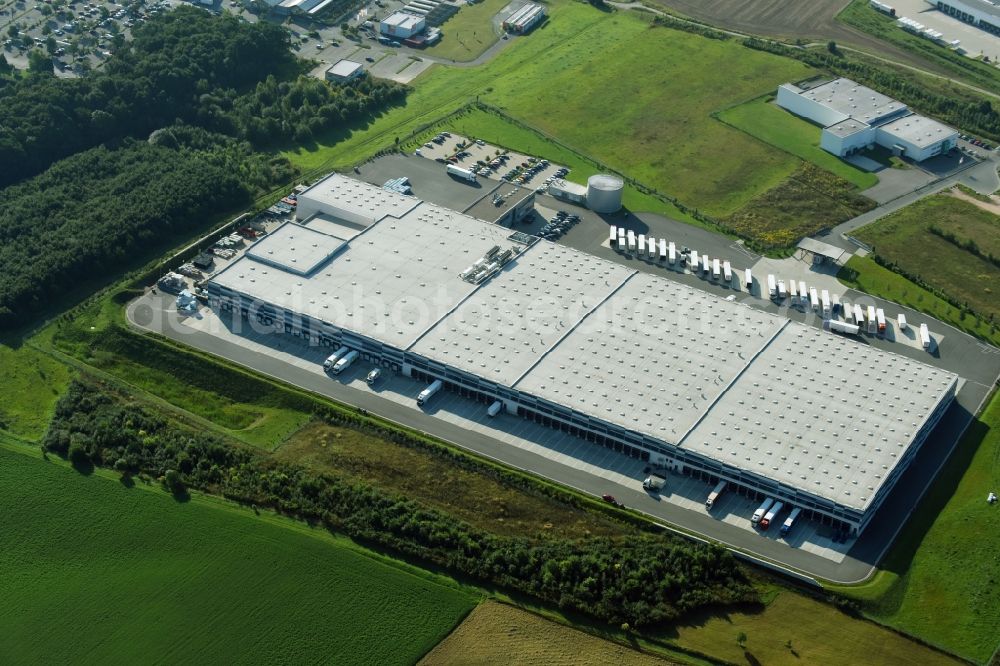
[651,248]
[901,321]
[870,318]
[748,278]
[925,336]
[345,362]
[671,253]
[332,359]
[772,287]
[429,392]
[727,272]
[761,510]
[622,244]
[880,320]
[793,291]
[813,299]
[789,523]
[631,240]
[781,290]
[843,327]
[768,518]
[642,244]
[459,172]
[836,302]
[824,299]
[803,295]
[694,261]
[614,235]
[716,269]
[859,315]
[495,408]
[706,265]
[714,495]
[654,483]
[663,250]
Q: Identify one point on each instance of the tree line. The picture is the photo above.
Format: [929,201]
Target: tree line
[641,580]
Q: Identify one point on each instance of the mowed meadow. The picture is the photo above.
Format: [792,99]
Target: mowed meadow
[130,575]
[615,88]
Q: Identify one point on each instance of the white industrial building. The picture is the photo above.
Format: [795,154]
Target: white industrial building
[344,70]
[980,13]
[524,19]
[638,363]
[856,118]
[402,25]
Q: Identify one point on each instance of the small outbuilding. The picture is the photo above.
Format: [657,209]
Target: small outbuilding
[344,70]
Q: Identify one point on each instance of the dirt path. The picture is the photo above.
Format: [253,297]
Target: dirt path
[990,207]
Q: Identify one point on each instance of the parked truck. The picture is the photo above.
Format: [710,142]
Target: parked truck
[429,392]
[671,253]
[706,264]
[772,287]
[614,235]
[925,336]
[872,324]
[768,518]
[824,299]
[901,321]
[495,408]
[859,315]
[332,359]
[714,495]
[716,269]
[663,251]
[345,362]
[781,290]
[748,278]
[813,299]
[793,291]
[654,483]
[651,248]
[843,327]
[459,172]
[631,240]
[789,523]
[761,510]
[727,272]
[880,320]
[694,261]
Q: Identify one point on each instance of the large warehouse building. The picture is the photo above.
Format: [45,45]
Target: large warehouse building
[638,363]
[984,14]
[856,118]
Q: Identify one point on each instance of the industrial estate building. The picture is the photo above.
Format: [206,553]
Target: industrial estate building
[344,70]
[524,19]
[857,118]
[980,13]
[624,359]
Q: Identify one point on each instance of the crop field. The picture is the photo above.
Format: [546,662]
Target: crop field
[467,34]
[768,122]
[439,482]
[644,112]
[496,633]
[905,239]
[97,571]
[785,634]
[944,563]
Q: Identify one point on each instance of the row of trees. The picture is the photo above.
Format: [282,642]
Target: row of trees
[641,580]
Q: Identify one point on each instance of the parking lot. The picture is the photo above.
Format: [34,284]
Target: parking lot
[490,161]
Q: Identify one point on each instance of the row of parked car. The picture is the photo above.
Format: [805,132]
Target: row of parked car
[976,142]
[525,171]
[558,225]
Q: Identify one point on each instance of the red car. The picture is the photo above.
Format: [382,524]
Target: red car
[610,499]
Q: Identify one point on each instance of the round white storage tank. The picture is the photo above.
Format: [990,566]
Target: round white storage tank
[604,193]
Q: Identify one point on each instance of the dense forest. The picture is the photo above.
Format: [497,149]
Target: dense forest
[642,580]
[205,92]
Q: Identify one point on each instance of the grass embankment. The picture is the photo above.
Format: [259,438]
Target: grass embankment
[907,240]
[859,14]
[467,34]
[644,112]
[496,633]
[31,383]
[129,575]
[763,119]
[940,580]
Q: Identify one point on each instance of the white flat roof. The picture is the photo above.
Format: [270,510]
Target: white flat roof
[682,366]
[340,193]
[853,99]
[403,20]
[344,68]
[653,357]
[295,248]
[499,332]
[847,127]
[920,131]
[822,413]
[390,283]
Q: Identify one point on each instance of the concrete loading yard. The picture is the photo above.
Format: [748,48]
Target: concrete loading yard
[638,363]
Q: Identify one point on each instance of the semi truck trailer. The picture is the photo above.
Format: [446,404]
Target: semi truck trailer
[654,483]
[332,359]
[761,510]
[925,336]
[429,392]
[768,518]
[789,523]
[714,495]
[459,172]
[345,362]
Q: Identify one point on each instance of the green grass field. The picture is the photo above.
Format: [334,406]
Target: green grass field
[644,112]
[499,131]
[860,15]
[31,383]
[940,580]
[768,122]
[795,629]
[94,572]
[468,33]
[904,239]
